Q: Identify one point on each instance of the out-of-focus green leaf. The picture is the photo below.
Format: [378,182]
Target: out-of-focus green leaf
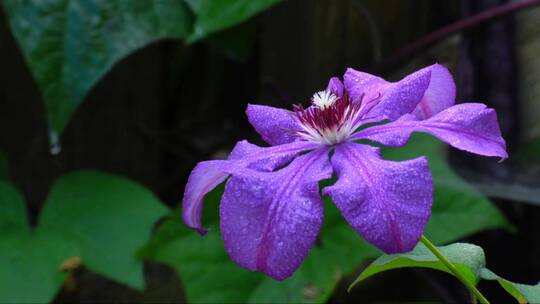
[216,15]
[29,264]
[70,44]
[458,208]
[103,213]
[469,259]
[521,292]
[208,274]
[96,218]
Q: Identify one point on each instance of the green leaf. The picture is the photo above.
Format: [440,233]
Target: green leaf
[94,217]
[29,264]
[469,260]
[458,208]
[70,44]
[521,292]
[216,15]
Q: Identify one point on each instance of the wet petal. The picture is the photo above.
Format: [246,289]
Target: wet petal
[387,202]
[276,126]
[203,179]
[358,84]
[391,99]
[208,174]
[471,127]
[440,94]
[335,86]
[270,221]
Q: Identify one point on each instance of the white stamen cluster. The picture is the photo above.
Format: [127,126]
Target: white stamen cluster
[323,99]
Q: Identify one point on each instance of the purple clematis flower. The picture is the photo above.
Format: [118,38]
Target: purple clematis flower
[271,211]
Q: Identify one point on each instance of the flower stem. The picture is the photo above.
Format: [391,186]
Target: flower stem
[429,39]
[477,294]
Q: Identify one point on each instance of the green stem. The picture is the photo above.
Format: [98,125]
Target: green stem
[477,294]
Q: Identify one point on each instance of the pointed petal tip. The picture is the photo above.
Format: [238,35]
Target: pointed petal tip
[503,157]
[201,230]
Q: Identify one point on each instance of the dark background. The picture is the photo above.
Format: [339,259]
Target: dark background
[168,106]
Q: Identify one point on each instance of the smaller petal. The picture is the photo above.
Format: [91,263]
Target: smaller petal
[204,178]
[386,202]
[276,126]
[471,127]
[358,84]
[440,94]
[335,86]
[394,99]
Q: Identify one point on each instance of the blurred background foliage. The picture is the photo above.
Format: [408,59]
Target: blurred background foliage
[108,104]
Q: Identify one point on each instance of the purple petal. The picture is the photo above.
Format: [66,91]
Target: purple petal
[358,84]
[401,97]
[208,174]
[335,86]
[470,127]
[270,221]
[204,177]
[440,94]
[276,126]
[388,203]
[430,89]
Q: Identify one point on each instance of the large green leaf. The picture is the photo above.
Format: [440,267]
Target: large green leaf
[468,259]
[29,264]
[70,44]
[93,217]
[207,271]
[216,15]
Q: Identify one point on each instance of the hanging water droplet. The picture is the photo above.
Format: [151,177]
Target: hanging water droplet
[55,147]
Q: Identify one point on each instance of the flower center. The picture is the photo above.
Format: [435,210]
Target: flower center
[330,119]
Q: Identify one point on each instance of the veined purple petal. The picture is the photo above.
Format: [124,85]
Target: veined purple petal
[394,99]
[270,221]
[387,202]
[335,86]
[208,174]
[361,84]
[471,127]
[424,92]
[203,179]
[440,94]
[276,126]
